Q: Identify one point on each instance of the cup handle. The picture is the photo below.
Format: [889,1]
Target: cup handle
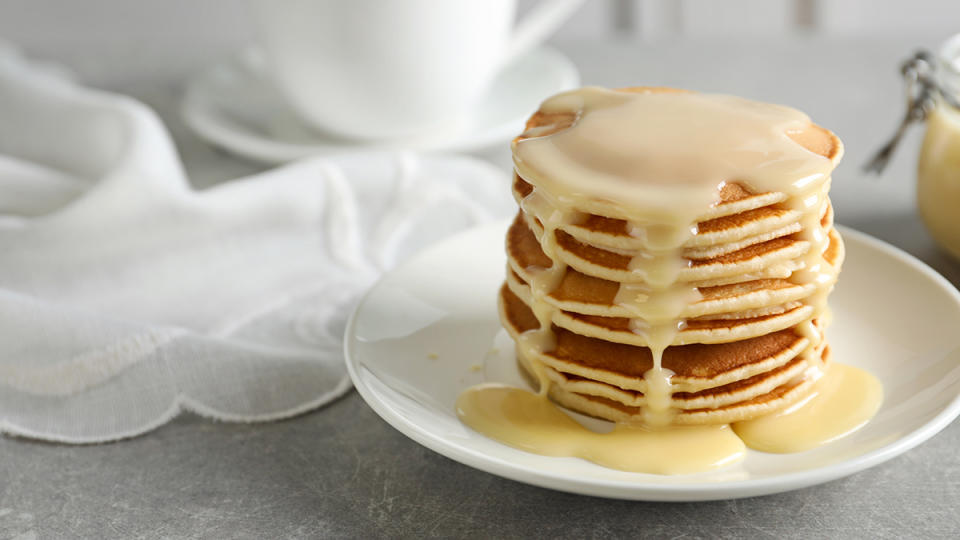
[540,22]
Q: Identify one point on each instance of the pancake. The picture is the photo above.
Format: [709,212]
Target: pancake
[775,400]
[621,309]
[751,219]
[697,330]
[695,367]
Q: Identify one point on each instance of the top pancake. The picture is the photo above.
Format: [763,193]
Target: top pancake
[601,226]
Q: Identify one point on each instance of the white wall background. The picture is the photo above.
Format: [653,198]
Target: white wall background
[39,20]
[107,40]
[652,19]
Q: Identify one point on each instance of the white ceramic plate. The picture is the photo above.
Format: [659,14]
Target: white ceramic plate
[235,106]
[429,329]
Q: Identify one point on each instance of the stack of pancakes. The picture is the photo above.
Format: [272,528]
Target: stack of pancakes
[750,344]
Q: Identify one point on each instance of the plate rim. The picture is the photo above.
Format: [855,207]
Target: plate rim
[621,489]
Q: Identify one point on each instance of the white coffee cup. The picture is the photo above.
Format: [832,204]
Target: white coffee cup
[386,69]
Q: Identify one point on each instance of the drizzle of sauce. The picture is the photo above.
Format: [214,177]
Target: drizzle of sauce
[844,399]
[660,157]
[531,422]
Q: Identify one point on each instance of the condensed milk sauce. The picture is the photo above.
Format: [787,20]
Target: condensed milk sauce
[938,177]
[844,399]
[531,422]
[658,161]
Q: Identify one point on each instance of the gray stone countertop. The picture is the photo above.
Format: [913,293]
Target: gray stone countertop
[343,472]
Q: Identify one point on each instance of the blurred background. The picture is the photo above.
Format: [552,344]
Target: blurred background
[763,49]
[837,60]
[155,39]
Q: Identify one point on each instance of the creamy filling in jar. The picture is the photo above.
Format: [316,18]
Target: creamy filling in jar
[938,167]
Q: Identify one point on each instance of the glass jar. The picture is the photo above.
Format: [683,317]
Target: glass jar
[938,167]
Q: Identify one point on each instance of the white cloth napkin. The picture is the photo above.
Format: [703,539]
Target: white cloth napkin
[126,296]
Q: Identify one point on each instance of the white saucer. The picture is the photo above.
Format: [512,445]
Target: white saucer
[429,329]
[235,106]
